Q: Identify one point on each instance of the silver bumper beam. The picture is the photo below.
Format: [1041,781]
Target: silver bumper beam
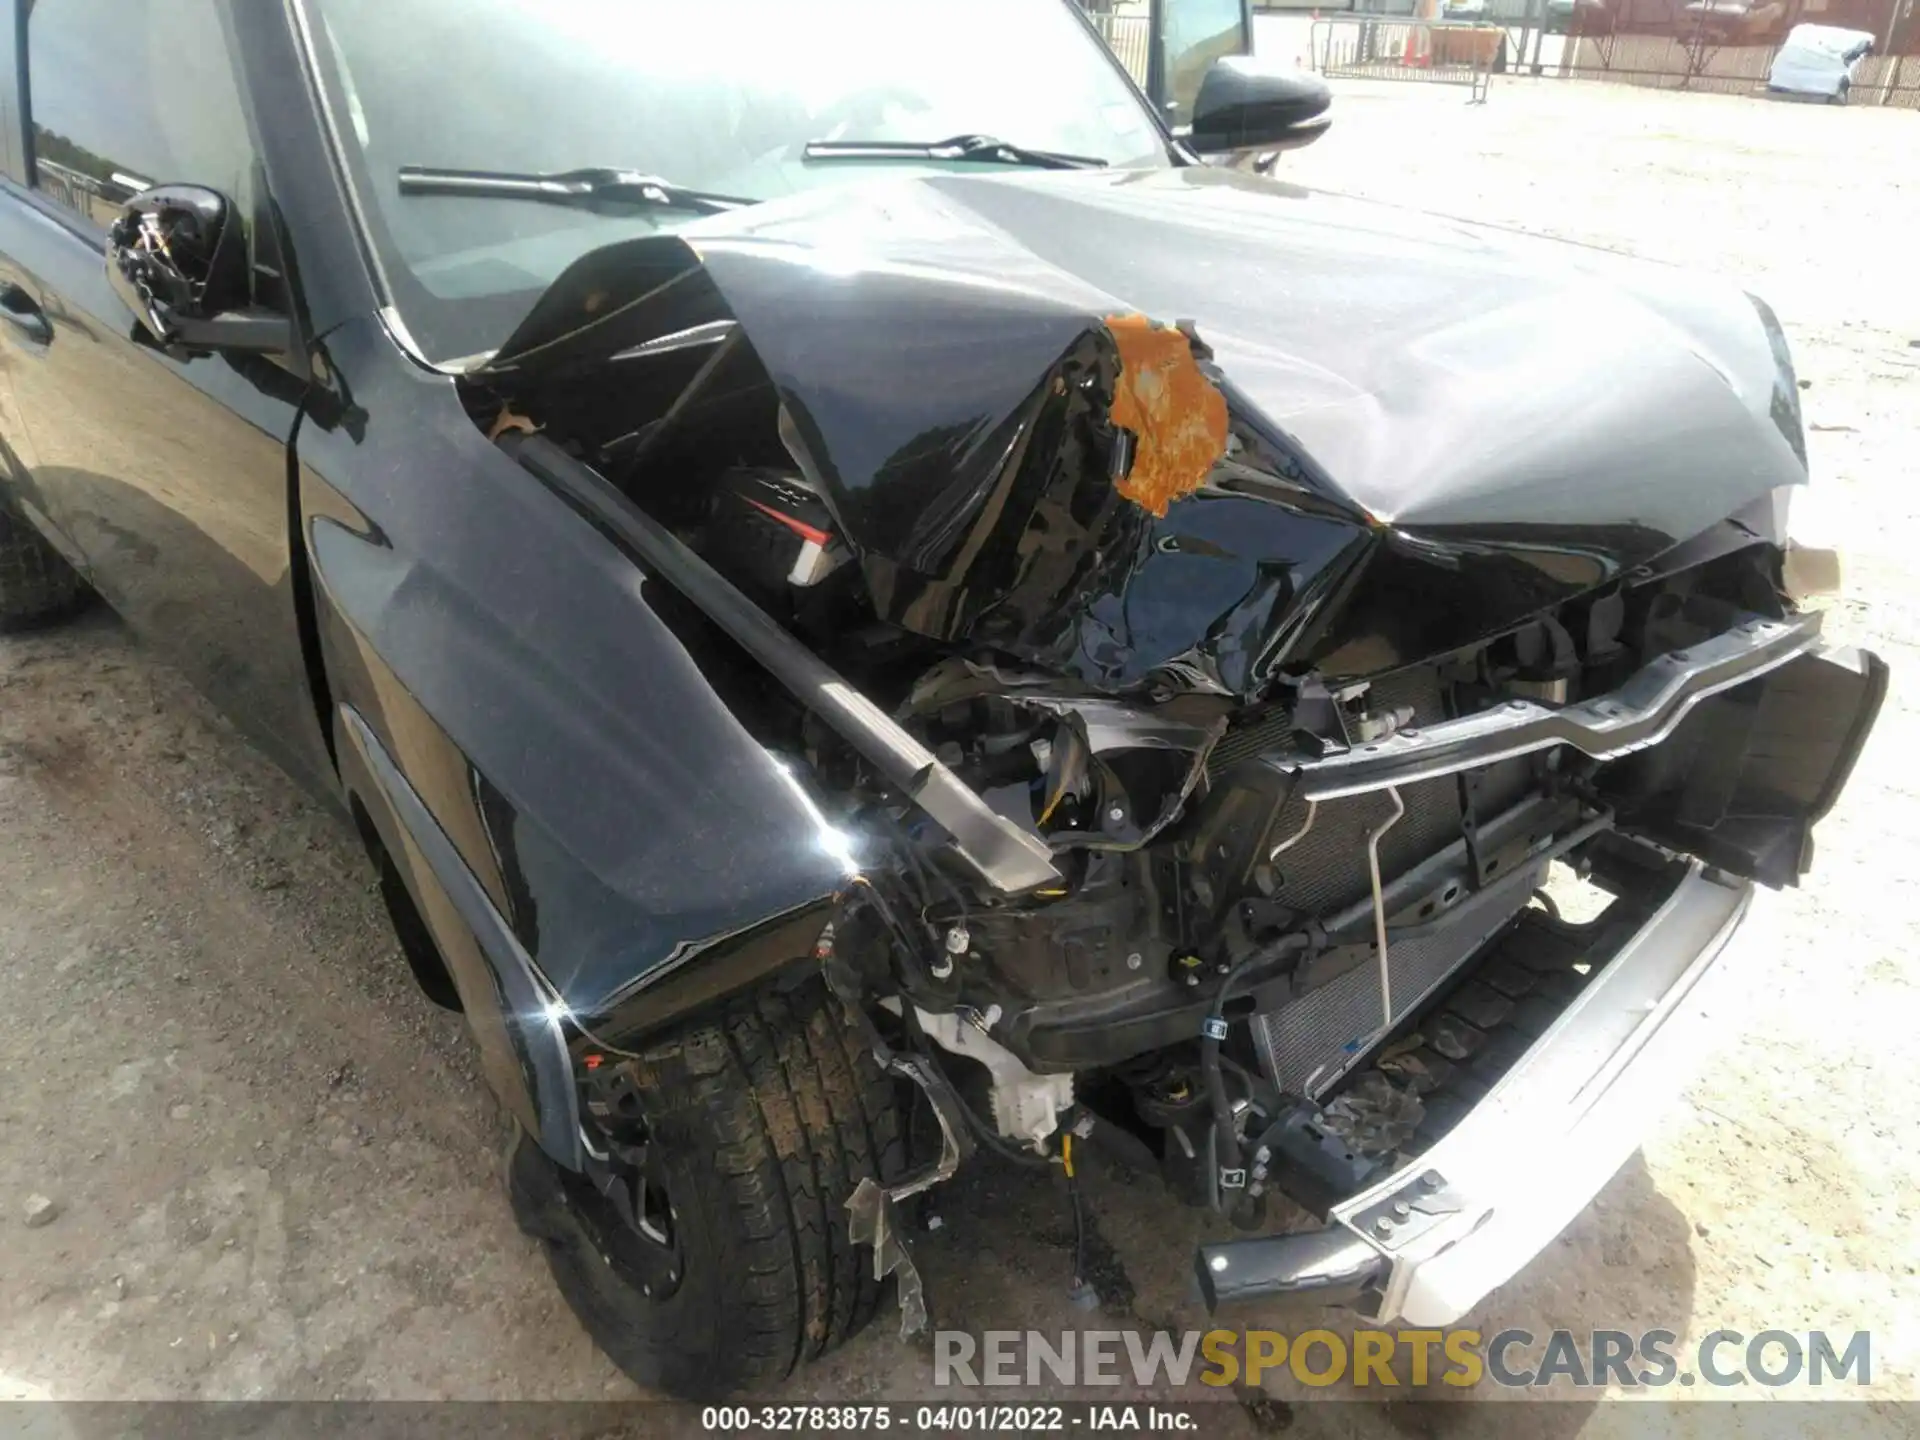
[1642,712]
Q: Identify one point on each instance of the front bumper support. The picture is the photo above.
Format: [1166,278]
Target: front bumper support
[1428,1242]
[1642,712]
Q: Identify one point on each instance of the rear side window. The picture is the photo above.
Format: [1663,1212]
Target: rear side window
[127,94]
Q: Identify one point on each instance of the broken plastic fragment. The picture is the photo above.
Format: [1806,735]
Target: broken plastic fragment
[873,1222]
[1176,413]
[872,1218]
[509,420]
[1374,1116]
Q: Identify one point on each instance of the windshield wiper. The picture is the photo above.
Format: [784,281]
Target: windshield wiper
[977,149]
[583,189]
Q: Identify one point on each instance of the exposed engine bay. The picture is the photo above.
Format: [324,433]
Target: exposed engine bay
[1186,803]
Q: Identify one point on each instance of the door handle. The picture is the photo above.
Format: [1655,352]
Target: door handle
[23,312]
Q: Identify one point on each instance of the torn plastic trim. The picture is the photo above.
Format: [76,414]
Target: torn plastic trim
[1109,727]
[871,1215]
[872,1218]
[1093,730]
[1007,857]
[1115,725]
[1642,712]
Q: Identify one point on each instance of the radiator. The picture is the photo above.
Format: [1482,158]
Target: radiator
[1309,1043]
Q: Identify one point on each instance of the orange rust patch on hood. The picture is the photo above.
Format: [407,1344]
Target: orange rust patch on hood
[1177,415]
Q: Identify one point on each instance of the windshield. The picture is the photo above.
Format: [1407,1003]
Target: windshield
[717,96]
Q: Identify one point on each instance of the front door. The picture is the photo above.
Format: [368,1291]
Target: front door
[170,476]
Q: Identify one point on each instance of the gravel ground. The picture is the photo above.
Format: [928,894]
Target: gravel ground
[275,1168]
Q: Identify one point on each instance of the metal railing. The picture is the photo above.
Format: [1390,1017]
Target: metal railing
[1127,29]
[1433,52]
[76,190]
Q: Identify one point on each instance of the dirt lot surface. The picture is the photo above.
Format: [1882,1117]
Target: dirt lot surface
[277,1172]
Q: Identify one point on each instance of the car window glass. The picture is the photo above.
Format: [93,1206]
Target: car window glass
[1195,33]
[717,95]
[127,94]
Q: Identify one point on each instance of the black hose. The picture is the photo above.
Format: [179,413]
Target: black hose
[1258,1091]
[1226,1139]
[1079,1230]
[922,868]
[909,944]
[905,848]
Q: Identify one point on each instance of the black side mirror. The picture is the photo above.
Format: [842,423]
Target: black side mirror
[1246,104]
[1184,38]
[181,267]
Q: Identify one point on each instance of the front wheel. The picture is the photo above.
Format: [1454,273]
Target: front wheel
[37,587]
[1840,95]
[740,1138]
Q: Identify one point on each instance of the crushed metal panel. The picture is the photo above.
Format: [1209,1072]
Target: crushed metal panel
[962,359]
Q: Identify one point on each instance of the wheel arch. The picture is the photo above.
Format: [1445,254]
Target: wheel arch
[430,969]
[515,1018]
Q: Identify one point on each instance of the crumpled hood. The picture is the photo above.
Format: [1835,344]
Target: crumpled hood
[1487,422]
[1441,374]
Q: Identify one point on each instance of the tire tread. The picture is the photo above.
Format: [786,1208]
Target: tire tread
[37,586]
[783,1110]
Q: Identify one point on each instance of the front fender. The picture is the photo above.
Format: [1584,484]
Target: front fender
[541,738]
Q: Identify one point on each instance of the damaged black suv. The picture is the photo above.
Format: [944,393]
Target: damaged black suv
[846,575]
